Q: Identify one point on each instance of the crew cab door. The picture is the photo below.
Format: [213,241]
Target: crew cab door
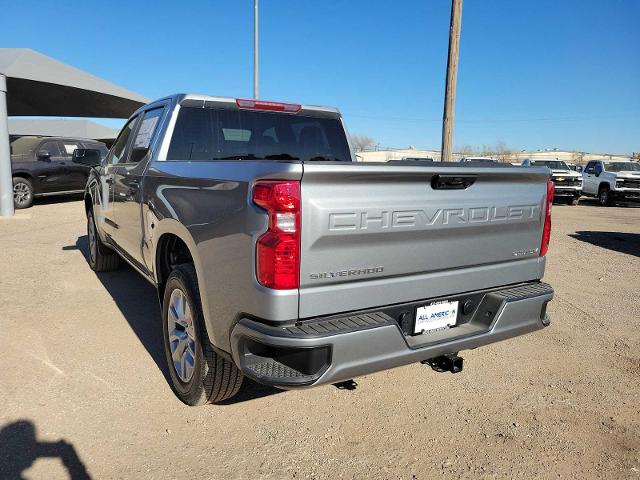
[106,215]
[127,186]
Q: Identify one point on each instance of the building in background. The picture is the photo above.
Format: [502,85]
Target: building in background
[62,128]
[578,158]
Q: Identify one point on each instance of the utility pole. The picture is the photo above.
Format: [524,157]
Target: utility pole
[452,76]
[255,48]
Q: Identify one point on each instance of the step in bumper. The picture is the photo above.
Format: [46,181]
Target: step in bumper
[338,348]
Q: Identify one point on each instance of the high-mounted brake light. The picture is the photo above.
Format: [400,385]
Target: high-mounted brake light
[278,250]
[271,106]
[546,231]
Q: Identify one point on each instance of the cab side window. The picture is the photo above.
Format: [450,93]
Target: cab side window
[118,152]
[148,128]
[590,168]
[598,168]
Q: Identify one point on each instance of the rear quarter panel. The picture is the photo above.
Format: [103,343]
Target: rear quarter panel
[207,205]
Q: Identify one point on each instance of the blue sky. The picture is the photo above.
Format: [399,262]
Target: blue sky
[533,74]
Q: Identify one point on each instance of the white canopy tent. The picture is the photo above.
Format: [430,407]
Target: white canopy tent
[33,84]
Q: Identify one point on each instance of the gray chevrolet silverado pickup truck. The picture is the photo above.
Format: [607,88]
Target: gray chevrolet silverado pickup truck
[279,258]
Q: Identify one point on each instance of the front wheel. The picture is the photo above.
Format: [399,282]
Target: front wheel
[604,197]
[198,373]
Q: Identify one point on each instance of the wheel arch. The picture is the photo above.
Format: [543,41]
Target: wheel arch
[23,174]
[169,234]
[604,185]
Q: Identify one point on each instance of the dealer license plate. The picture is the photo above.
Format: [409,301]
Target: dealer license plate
[435,317]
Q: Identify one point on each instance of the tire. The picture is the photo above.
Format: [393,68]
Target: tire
[22,193]
[101,258]
[200,375]
[604,197]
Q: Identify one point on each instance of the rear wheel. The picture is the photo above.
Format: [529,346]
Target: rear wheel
[22,193]
[604,197]
[101,258]
[198,373]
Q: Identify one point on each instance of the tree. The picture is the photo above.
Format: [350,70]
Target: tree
[501,152]
[362,142]
[465,150]
[577,157]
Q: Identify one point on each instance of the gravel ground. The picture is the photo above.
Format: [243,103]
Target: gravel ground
[83,386]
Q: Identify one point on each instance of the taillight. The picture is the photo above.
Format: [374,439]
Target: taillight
[278,250]
[546,232]
[264,105]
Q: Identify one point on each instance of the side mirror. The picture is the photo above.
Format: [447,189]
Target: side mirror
[86,156]
[43,155]
[138,153]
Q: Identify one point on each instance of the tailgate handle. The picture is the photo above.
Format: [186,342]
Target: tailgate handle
[452,182]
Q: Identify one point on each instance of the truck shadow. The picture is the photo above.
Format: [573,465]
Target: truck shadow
[628,243]
[137,300]
[593,202]
[19,449]
[52,199]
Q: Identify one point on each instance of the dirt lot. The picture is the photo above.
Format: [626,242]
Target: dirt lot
[83,384]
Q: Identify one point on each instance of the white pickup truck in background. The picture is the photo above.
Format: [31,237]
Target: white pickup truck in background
[567,182]
[611,181]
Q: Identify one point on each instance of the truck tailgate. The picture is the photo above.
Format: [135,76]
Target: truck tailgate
[373,235]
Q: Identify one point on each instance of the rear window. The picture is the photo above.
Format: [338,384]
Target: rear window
[553,164]
[223,134]
[22,148]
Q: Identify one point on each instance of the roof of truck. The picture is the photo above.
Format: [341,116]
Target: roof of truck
[182,98]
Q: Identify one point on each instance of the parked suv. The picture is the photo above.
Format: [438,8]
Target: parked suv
[567,182]
[42,166]
[279,258]
[611,181]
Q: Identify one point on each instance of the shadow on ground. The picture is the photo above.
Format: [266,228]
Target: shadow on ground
[137,300]
[593,202]
[628,243]
[50,199]
[19,449]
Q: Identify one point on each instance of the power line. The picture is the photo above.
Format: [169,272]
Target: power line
[494,120]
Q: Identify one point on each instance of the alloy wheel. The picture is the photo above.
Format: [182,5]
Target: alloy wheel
[93,242]
[182,341]
[21,193]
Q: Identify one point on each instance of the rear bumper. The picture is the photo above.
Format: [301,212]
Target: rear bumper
[338,348]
